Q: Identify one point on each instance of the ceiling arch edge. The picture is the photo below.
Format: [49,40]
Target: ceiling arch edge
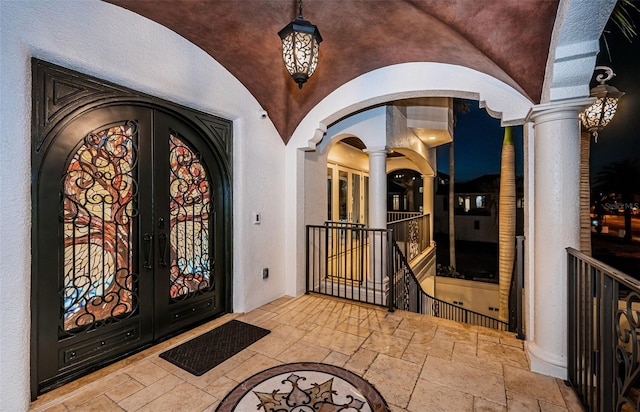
[409,80]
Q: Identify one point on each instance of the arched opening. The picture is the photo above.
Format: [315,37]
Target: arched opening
[409,134]
[405,191]
[364,96]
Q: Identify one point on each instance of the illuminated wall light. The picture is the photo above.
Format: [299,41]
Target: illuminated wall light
[595,117]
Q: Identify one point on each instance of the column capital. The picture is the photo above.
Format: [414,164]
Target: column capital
[377,150]
[558,110]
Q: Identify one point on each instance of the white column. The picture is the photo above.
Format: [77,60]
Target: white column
[556,221]
[378,218]
[427,200]
[377,187]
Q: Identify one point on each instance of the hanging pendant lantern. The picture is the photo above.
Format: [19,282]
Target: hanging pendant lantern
[300,47]
[595,117]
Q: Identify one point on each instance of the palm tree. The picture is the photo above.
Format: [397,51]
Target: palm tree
[622,19]
[585,192]
[621,178]
[506,223]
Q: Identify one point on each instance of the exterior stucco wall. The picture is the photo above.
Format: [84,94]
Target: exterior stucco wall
[114,44]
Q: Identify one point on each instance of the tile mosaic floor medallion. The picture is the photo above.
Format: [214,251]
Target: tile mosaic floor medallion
[304,387]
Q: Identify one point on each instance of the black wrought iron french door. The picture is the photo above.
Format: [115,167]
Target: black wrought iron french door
[131,237]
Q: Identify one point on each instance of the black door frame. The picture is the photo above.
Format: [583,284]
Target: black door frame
[60,95]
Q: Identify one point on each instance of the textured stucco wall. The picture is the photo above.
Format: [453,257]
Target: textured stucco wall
[119,46]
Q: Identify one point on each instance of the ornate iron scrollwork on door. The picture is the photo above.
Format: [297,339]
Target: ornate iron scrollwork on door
[190,211]
[98,210]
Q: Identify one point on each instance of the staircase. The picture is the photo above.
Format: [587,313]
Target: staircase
[407,294]
[370,266]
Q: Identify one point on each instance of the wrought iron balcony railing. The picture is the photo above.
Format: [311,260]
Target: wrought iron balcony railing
[367,265]
[604,322]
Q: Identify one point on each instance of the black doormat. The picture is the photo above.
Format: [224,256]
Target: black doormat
[205,352]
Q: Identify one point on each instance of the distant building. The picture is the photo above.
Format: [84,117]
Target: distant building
[476,206]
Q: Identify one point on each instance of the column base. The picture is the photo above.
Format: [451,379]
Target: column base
[546,363]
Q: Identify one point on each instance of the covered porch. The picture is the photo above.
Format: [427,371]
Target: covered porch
[416,362]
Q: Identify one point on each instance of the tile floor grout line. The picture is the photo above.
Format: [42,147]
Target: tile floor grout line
[504,385]
[292,312]
[424,362]
[94,383]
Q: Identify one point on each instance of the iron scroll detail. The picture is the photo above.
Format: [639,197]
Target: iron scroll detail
[627,351]
[98,211]
[191,261]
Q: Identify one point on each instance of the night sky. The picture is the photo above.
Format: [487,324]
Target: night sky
[621,138]
[478,145]
[478,136]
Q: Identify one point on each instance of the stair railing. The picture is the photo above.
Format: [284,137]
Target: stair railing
[408,295]
[367,265]
[413,234]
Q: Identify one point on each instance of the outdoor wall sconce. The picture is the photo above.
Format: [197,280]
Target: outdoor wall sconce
[595,117]
[300,47]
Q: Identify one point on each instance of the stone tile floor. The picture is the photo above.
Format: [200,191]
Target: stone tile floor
[417,363]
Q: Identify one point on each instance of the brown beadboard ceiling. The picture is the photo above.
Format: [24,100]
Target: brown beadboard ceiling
[506,39]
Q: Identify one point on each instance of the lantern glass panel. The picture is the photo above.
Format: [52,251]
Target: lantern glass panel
[288,53]
[300,53]
[600,113]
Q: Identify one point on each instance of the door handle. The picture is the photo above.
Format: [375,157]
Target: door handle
[162,242]
[147,238]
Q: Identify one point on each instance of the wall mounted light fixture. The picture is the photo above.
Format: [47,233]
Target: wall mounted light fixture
[595,117]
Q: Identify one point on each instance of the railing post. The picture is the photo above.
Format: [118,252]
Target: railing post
[571,322]
[519,284]
[326,255]
[391,271]
[406,229]
[608,339]
[307,260]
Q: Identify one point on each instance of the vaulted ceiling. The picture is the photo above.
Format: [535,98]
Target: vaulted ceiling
[506,39]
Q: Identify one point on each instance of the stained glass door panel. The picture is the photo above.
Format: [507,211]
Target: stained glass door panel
[190,210]
[98,208]
[189,226]
[90,292]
